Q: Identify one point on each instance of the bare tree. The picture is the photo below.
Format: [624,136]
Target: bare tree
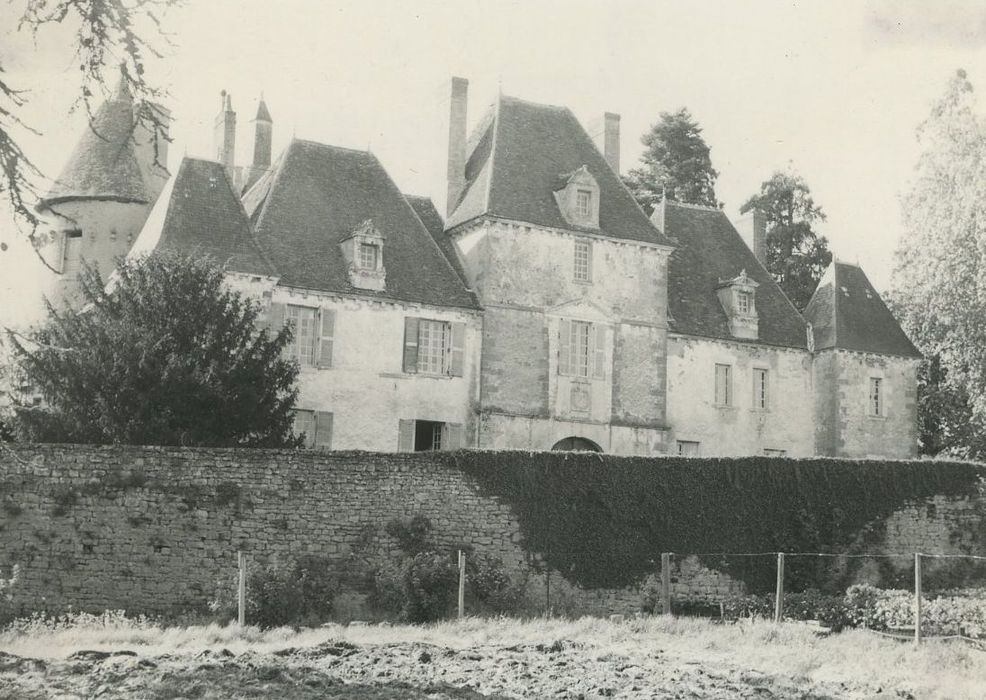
[108,32]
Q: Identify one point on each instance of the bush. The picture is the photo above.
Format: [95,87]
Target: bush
[430,581]
[281,593]
[7,595]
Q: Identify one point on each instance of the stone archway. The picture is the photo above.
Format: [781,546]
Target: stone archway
[576,444]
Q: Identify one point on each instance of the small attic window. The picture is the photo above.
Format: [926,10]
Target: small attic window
[577,196]
[744,302]
[363,250]
[368,256]
[583,203]
[738,299]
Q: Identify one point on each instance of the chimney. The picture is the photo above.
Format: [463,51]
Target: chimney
[225,134]
[611,140]
[753,229]
[262,137]
[457,141]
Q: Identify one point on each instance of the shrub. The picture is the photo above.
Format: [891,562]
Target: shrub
[429,583]
[281,593]
[7,594]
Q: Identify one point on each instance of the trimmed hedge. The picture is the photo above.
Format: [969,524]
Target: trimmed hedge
[603,521]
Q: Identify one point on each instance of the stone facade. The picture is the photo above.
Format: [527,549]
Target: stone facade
[744,427]
[366,388]
[528,398]
[847,423]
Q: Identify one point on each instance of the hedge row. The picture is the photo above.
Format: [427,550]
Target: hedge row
[603,521]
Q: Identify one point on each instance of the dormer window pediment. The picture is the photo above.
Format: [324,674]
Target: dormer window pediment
[363,250]
[738,299]
[577,196]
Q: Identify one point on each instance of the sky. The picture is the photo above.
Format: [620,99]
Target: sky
[834,90]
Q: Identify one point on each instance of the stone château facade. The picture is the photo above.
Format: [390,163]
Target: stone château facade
[546,311]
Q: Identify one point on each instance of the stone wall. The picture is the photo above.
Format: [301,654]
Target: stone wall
[154,530]
[742,428]
[846,426]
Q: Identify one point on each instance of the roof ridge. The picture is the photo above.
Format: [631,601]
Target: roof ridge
[311,142]
[491,162]
[543,105]
[688,205]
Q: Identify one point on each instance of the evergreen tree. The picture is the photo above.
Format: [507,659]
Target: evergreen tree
[939,285]
[796,255]
[169,356]
[676,164]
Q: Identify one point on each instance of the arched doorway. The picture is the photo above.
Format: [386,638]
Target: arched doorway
[576,444]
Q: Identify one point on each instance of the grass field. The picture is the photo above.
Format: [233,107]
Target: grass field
[111,657]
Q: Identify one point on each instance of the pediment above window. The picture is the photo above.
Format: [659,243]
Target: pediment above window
[580,310]
[739,300]
[577,196]
[363,250]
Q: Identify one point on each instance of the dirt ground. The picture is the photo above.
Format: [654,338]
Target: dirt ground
[336,668]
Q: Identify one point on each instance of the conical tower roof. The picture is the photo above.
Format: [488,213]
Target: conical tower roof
[103,165]
[263,114]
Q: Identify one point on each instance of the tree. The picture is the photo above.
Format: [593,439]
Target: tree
[106,31]
[168,356]
[676,164]
[796,255]
[939,284]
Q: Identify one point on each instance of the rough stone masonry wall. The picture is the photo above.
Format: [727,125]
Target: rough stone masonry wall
[153,530]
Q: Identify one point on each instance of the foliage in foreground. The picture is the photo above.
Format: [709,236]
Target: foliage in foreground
[169,356]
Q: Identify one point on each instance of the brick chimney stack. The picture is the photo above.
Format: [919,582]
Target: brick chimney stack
[753,229]
[458,103]
[225,135]
[611,140]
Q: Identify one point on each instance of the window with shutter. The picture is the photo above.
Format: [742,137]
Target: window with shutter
[411,344]
[405,435]
[323,430]
[327,338]
[458,349]
[304,424]
[761,398]
[564,349]
[303,345]
[452,439]
[724,389]
[599,368]
[72,253]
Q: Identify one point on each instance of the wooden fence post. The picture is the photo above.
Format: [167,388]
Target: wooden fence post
[917,598]
[462,584]
[779,594]
[241,590]
[666,583]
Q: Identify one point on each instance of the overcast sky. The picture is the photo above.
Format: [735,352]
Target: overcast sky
[833,89]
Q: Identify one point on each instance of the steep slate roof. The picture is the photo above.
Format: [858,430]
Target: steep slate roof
[263,114]
[710,250]
[317,196]
[514,159]
[199,213]
[103,165]
[432,220]
[846,312]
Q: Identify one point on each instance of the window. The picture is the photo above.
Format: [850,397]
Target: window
[427,435]
[72,252]
[368,256]
[434,347]
[761,398]
[583,257]
[302,346]
[876,396]
[579,348]
[316,426]
[768,452]
[724,389]
[744,302]
[687,448]
[583,203]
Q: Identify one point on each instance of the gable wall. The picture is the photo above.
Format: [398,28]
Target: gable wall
[739,429]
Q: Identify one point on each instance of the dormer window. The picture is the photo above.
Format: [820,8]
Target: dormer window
[577,196]
[367,256]
[583,203]
[738,299]
[363,251]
